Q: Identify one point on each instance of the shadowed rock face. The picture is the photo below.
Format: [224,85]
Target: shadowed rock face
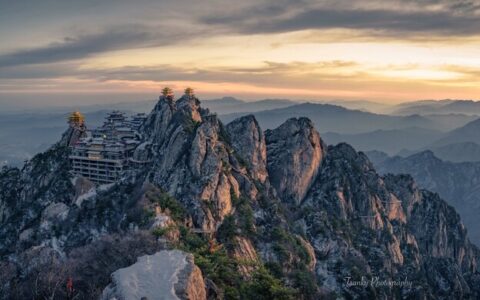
[294,154]
[72,135]
[393,227]
[457,183]
[192,159]
[248,141]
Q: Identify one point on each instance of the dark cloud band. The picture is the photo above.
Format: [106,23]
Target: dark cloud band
[389,21]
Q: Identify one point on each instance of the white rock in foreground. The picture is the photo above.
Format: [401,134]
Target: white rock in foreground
[165,275]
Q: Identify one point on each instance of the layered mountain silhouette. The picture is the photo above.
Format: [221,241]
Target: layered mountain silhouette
[338,119]
[427,107]
[390,141]
[468,133]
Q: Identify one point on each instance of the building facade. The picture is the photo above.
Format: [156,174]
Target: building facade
[104,153]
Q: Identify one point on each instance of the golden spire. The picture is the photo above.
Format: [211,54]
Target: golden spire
[167,92]
[76,118]
[189,91]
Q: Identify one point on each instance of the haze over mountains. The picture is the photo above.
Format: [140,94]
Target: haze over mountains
[389,141]
[451,135]
[391,133]
[468,107]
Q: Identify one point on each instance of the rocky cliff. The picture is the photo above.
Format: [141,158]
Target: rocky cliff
[458,183]
[294,153]
[270,215]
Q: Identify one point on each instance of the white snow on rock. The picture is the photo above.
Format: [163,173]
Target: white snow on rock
[152,277]
[105,187]
[91,193]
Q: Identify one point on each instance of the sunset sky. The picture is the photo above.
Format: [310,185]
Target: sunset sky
[385,50]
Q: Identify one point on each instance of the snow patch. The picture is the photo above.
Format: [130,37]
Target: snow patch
[152,277]
[161,220]
[105,187]
[91,193]
[74,180]
[143,145]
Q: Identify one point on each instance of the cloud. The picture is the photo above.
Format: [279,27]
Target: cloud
[269,73]
[298,73]
[81,46]
[295,67]
[469,73]
[447,19]
[375,18]
[320,80]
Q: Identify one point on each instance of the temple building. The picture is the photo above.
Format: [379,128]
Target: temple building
[103,154]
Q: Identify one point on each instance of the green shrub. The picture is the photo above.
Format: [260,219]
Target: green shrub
[264,286]
[246,219]
[286,243]
[227,231]
[177,211]
[161,231]
[223,269]
[304,282]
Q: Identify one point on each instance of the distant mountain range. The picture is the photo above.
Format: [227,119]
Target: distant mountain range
[468,133]
[24,134]
[458,183]
[468,107]
[338,119]
[227,105]
[389,141]
[458,145]
[456,152]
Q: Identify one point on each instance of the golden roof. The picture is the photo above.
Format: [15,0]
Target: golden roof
[189,91]
[76,117]
[166,91]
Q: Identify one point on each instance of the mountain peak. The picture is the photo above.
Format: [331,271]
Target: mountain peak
[294,154]
[427,154]
[248,140]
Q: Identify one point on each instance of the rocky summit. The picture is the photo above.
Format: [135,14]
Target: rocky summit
[228,212]
[457,183]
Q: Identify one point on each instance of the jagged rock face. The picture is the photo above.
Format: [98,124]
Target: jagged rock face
[191,106]
[72,135]
[244,250]
[294,154]
[193,161]
[43,182]
[455,182]
[155,126]
[143,152]
[347,178]
[9,193]
[438,230]
[248,141]
[352,226]
[163,275]
[310,251]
